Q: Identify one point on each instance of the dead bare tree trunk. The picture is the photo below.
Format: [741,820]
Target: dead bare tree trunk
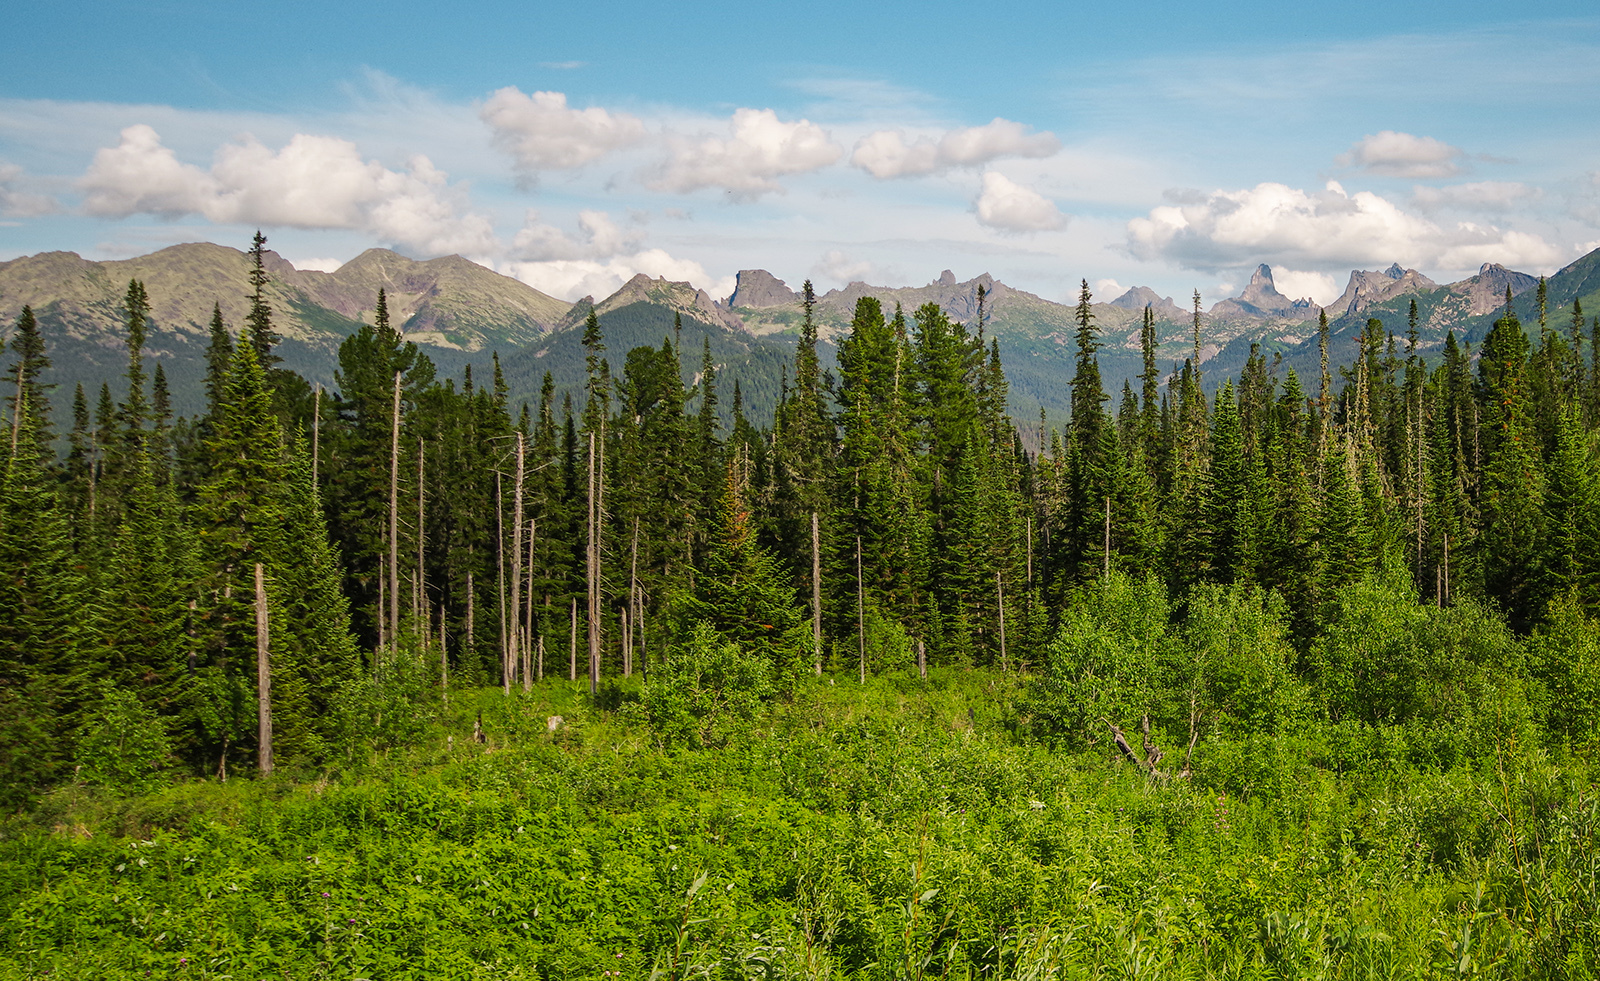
[422,605]
[1030,552]
[633,599]
[383,608]
[263,676]
[1447,568]
[816,593]
[922,659]
[394,515]
[861,617]
[1000,601]
[469,645]
[444,654]
[527,637]
[16,411]
[500,583]
[1150,760]
[513,654]
[572,670]
[596,490]
[1105,566]
[316,432]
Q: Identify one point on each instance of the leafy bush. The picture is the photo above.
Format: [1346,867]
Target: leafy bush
[1241,661]
[1112,659]
[1564,659]
[126,746]
[702,688]
[1450,677]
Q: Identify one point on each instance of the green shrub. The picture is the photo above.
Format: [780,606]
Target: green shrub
[1112,660]
[703,687]
[126,746]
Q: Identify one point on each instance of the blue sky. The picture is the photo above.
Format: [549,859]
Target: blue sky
[1174,145]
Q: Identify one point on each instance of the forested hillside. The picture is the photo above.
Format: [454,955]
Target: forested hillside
[1329,640]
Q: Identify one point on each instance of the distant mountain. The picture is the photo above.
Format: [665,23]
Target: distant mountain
[447,302]
[1261,299]
[459,311]
[451,306]
[1368,288]
[757,288]
[1139,297]
[642,314]
[682,298]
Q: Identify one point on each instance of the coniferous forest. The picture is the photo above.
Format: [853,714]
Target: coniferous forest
[1254,677]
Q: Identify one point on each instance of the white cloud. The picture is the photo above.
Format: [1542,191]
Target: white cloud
[761,149]
[1393,154]
[312,182]
[596,261]
[1286,226]
[1297,284]
[1108,289]
[1480,196]
[837,267]
[601,238]
[16,203]
[1011,207]
[885,153]
[542,133]
[573,279]
[319,264]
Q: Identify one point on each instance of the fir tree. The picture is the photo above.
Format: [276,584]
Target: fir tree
[258,322]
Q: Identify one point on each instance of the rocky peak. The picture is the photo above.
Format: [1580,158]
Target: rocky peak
[1486,292]
[760,289]
[946,278]
[1139,297]
[684,298]
[1369,287]
[1262,299]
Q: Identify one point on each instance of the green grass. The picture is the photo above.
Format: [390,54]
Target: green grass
[899,830]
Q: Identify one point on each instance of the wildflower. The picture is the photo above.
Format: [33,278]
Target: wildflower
[324,895]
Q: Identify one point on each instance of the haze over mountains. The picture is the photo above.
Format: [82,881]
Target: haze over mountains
[459,312]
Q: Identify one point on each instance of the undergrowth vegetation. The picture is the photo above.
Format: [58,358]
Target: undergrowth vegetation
[901,829]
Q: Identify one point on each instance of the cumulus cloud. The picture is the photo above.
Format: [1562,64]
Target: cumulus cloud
[1330,228]
[760,149]
[16,203]
[597,260]
[542,133]
[1393,154]
[1011,207]
[1480,196]
[312,182]
[1108,289]
[319,264]
[1296,284]
[837,267]
[600,238]
[885,153]
[573,279]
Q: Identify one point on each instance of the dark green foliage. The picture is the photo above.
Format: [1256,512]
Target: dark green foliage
[742,594]
[47,649]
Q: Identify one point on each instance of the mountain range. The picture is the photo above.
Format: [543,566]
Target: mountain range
[459,312]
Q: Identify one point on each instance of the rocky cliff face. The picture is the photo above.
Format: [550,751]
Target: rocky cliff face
[1486,292]
[694,304]
[1261,299]
[1139,297]
[447,302]
[1369,287]
[759,289]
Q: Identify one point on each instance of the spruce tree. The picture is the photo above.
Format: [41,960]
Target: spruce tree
[48,653]
[258,322]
